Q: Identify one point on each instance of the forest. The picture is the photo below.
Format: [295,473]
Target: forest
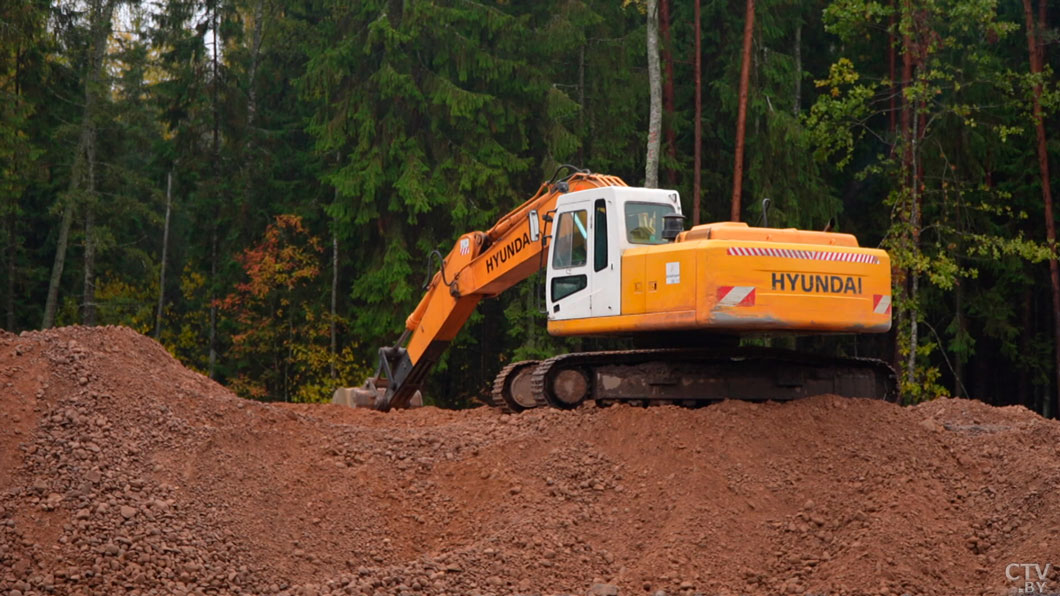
[258,183]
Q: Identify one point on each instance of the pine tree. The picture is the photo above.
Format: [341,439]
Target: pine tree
[429,147]
[97,23]
[21,41]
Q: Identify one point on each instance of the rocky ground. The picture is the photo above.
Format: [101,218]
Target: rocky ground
[121,472]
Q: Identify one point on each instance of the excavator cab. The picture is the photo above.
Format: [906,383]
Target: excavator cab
[591,230]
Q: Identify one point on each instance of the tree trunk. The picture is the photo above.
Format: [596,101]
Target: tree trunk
[913,339]
[101,16]
[668,90]
[899,274]
[1024,382]
[249,159]
[741,114]
[907,113]
[1043,22]
[51,302]
[1036,53]
[962,330]
[212,359]
[88,306]
[12,255]
[11,221]
[255,53]
[891,70]
[215,82]
[288,358]
[697,172]
[581,101]
[798,71]
[914,223]
[651,166]
[165,249]
[334,295]
[587,110]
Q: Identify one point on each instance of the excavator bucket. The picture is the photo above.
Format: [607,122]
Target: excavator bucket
[368,396]
[354,397]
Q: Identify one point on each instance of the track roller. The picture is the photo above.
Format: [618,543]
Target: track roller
[512,390]
[563,387]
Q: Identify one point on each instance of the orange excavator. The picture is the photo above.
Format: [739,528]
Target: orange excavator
[618,263]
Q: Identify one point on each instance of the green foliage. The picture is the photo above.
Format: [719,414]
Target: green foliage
[122,303]
[185,331]
[837,120]
[312,362]
[441,140]
[956,215]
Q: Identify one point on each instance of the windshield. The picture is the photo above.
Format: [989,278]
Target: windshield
[644,222]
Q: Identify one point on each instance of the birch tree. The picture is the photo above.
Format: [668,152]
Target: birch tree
[651,166]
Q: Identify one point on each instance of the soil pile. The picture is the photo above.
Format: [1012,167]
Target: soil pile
[123,472]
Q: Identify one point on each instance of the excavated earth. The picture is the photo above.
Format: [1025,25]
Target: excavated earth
[121,472]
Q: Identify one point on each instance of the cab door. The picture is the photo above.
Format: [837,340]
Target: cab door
[567,280]
[605,280]
[583,273]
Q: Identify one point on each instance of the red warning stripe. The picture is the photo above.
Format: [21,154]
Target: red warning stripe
[736,296]
[812,255]
[881,304]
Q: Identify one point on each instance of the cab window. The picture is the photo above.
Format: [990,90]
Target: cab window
[600,235]
[571,240]
[567,285]
[644,222]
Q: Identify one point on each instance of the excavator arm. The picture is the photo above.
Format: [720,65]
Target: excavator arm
[480,265]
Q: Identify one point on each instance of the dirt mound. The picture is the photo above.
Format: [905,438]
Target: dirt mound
[123,472]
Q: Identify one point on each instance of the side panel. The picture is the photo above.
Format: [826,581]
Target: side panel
[670,279]
[658,279]
[634,288]
[773,286]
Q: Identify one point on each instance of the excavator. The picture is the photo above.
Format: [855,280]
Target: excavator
[618,263]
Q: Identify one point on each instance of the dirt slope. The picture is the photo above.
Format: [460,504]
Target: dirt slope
[123,472]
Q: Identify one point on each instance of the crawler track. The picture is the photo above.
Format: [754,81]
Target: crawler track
[694,377]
